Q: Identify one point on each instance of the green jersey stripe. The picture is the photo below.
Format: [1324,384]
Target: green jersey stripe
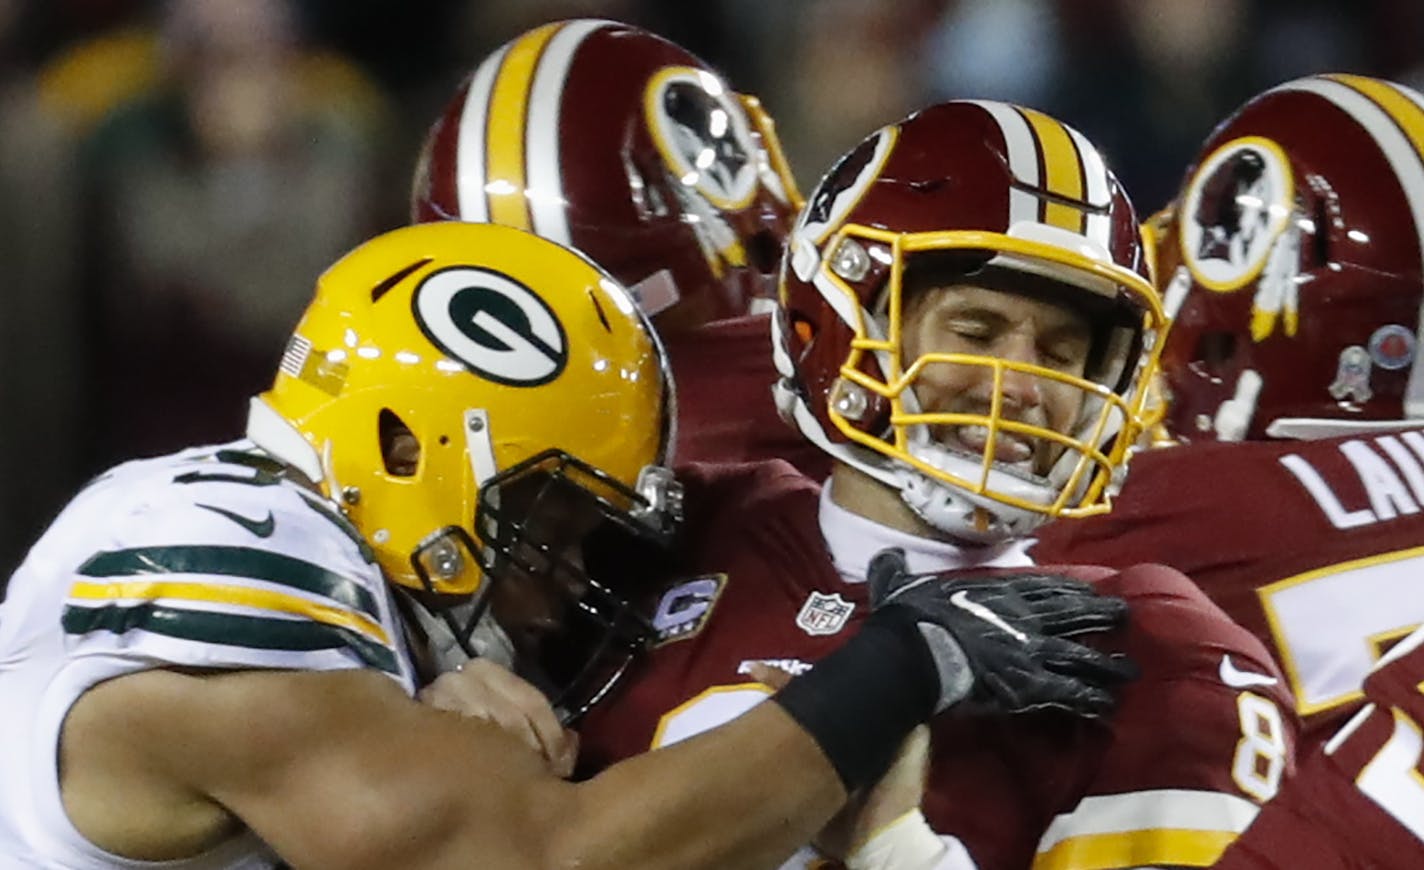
[227,629]
[233,562]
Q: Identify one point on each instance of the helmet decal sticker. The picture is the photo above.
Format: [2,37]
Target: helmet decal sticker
[844,184]
[1352,375]
[702,134]
[685,609]
[492,324]
[325,371]
[1392,347]
[1235,208]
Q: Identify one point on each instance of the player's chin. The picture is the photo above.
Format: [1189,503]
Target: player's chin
[530,638]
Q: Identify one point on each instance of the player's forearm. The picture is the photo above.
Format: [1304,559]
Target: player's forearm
[780,770]
[762,774]
[909,843]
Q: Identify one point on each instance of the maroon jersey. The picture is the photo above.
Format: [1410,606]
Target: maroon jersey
[1196,743]
[1315,546]
[724,374]
[1359,801]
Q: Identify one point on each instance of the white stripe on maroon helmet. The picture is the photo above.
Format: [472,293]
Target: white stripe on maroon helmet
[1096,191]
[1022,147]
[470,170]
[543,179]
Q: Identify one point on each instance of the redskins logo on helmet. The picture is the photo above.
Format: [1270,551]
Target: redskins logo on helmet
[477,399]
[1292,265]
[703,136]
[619,143]
[971,191]
[1239,203]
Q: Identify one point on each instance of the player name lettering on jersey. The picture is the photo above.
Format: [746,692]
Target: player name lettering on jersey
[1390,468]
[794,667]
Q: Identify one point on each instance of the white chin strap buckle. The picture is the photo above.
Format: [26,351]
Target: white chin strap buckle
[945,509]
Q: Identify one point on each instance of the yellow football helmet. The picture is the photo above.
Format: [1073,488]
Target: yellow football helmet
[440,365]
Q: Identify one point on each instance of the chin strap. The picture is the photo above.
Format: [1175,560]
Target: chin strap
[487,640]
[952,510]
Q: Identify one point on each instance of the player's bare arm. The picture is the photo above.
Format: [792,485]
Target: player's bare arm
[341,769]
[161,763]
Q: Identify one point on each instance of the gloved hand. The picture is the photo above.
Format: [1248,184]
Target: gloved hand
[1001,643]
[975,642]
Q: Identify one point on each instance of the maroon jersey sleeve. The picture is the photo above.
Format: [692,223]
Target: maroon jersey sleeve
[1312,546]
[1178,770]
[1359,801]
[724,374]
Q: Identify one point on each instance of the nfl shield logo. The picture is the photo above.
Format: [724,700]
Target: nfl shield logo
[824,614]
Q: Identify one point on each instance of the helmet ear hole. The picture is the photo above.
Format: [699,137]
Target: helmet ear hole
[1321,237]
[1216,350]
[400,449]
[764,251]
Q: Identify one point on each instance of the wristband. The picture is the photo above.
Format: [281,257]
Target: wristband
[908,843]
[860,702]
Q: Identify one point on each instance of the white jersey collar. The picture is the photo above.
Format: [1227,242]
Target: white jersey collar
[852,540]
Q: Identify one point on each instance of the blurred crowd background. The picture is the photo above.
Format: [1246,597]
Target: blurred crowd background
[175,173]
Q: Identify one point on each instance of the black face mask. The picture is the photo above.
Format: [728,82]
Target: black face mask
[531,518]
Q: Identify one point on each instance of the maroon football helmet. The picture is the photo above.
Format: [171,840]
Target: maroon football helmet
[982,189]
[1291,266]
[610,139]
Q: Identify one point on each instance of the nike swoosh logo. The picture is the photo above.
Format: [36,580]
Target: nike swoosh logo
[1239,679]
[262,528]
[961,600]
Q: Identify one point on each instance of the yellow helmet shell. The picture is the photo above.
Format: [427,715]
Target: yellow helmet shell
[490,345]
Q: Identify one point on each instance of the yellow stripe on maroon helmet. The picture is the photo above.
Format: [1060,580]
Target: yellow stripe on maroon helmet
[508,118]
[1405,112]
[1062,171]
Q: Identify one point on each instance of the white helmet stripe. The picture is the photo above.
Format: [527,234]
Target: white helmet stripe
[543,179]
[1097,192]
[470,168]
[1404,157]
[1022,146]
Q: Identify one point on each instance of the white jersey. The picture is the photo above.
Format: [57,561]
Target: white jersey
[204,559]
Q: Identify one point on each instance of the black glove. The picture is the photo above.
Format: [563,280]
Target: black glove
[1000,642]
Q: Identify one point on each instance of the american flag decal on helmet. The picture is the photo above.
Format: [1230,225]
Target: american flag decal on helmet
[295,356]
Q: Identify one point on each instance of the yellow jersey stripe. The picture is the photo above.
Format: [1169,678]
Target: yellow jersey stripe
[260,599]
[1150,848]
[1062,171]
[507,120]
